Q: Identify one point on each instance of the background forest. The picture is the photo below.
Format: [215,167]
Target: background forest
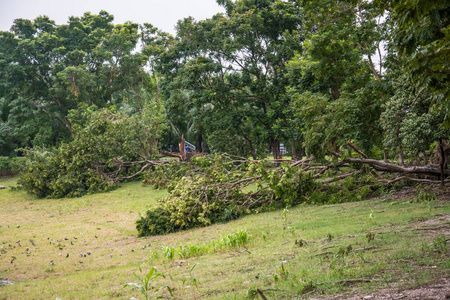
[90,103]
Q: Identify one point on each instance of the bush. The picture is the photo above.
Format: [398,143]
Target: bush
[10,166]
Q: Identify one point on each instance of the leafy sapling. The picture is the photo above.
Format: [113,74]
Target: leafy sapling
[145,284]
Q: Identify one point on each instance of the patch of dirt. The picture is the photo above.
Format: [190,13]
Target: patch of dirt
[442,194]
[440,290]
[434,227]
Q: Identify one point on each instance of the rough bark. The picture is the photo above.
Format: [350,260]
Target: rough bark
[294,152]
[378,165]
[250,145]
[182,148]
[276,149]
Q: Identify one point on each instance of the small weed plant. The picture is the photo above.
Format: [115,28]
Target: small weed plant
[190,279]
[147,286]
[439,245]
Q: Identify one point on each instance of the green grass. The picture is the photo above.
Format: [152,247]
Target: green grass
[284,255]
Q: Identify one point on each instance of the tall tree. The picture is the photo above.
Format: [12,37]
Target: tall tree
[227,74]
[342,40]
[421,37]
[48,70]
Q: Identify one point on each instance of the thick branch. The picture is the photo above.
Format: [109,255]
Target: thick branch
[388,167]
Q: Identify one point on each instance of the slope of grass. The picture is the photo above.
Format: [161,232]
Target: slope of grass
[86,248]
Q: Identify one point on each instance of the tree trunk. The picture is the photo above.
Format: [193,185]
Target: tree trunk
[392,168]
[442,161]
[294,153]
[250,145]
[275,149]
[199,143]
[69,125]
[182,148]
[301,150]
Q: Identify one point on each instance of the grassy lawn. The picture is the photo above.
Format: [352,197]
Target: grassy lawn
[87,248]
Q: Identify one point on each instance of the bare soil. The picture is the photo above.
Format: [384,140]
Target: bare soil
[438,290]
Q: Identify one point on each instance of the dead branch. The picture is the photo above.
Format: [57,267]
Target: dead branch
[340,177]
[167,153]
[334,153]
[325,168]
[261,294]
[433,228]
[325,253]
[365,249]
[302,162]
[356,280]
[135,174]
[356,149]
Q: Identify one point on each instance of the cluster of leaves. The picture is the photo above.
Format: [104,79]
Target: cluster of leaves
[309,74]
[93,160]
[10,166]
[216,192]
[164,176]
[146,284]
[54,173]
[410,126]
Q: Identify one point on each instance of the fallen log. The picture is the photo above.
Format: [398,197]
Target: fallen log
[379,165]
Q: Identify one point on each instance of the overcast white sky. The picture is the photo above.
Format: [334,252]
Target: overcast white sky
[163,14]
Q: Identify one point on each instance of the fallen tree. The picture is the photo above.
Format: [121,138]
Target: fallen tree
[214,190]
[211,189]
[431,170]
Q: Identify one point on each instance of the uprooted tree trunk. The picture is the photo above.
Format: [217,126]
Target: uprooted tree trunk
[436,170]
[378,165]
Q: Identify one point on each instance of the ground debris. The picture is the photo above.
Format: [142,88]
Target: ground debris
[4,282]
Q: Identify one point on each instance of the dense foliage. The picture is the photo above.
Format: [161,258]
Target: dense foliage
[308,75]
[103,139]
[220,189]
